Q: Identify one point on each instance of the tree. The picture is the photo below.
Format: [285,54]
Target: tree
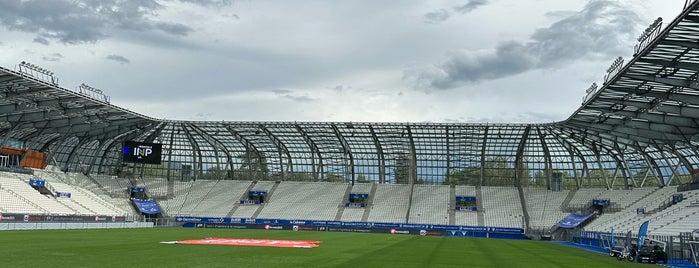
[539,179]
[361,179]
[214,173]
[404,168]
[334,178]
[299,176]
[253,166]
[466,176]
[499,171]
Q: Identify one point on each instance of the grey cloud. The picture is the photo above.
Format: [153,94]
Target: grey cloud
[119,59]
[42,41]
[600,29]
[291,95]
[281,91]
[441,15]
[232,16]
[470,6]
[202,116]
[340,88]
[174,28]
[73,22]
[436,16]
[301,98]
[53,57]
[212,3]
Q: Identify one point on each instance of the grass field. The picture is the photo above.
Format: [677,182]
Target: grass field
[141,248]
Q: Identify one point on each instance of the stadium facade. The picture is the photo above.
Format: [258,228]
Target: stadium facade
[637,129]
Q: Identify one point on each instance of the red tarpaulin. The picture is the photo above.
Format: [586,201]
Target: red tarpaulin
[249,242]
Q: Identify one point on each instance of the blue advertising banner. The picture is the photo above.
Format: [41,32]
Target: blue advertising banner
[375,225]
[213,220]
[573,220]
[137,189]
[359,195]
[642,232]
[63,194]
[355,205]
[676,198]
[465,198]
[149,206]
[600,202]
[465,203]
[37,182]
[257,193]
[249,202]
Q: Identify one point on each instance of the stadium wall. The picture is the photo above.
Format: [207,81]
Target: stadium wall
[71,225]
[357,227]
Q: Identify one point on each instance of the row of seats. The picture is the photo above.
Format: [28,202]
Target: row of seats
[468,218]
[20,197]
[502,207]
[430,205]
[544,206]
[423,204]
[678,218]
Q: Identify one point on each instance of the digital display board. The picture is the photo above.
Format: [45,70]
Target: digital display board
[142,152]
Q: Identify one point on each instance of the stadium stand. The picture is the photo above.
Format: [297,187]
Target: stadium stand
[18,185]
[356,213]
[219,201]
[430,204]
[502,207]
[302,200]
[629,219]
[390,203]
[469,218]
[248,211]
[582,199]
[544,206]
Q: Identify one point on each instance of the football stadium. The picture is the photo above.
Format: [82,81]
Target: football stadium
[84,182]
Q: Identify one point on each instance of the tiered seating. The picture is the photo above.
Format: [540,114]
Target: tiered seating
[583,198]
[113,185]
[502,207]
[302,200]
[319,201]
[355,214]
[469,218]
[430,204]
[194,195]
[682,219]
[544,206]
[352,214]
[16,185]
[362,187]
[86,202]
[86,186]
[10,202]
[173,205]
[247,211]
[628,219]
[220,200]
[624,198]
[390,203]
[679,218]
[155,187]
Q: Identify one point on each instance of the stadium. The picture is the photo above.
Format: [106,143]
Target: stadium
[622,170]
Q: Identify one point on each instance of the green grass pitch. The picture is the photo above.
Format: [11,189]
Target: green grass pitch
[142,248]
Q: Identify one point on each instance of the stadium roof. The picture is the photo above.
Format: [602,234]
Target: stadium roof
[638,128]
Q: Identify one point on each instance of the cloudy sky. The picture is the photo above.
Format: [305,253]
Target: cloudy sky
[305,60]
